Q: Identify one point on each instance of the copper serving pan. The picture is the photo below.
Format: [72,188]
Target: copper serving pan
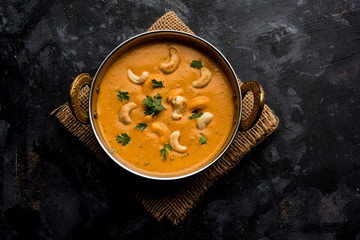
[164,35]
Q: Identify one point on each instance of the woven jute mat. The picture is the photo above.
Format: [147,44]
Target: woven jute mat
[173,199]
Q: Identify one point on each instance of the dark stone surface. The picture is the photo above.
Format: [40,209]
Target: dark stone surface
[301,183]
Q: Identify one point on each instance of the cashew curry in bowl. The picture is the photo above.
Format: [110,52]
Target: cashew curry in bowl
[165,104]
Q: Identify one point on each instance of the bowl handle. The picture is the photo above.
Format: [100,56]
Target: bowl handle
[79,82]
[259,99]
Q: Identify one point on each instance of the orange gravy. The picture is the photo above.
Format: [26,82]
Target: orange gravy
[143,150]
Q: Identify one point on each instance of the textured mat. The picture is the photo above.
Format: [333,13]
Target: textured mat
[174,199]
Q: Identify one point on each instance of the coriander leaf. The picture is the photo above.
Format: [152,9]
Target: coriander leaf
[123,138]
[203,139]
[157,84]
[153,106]
[195,115]
[196,64]
[168,146]
[123,95]
[141,126]
[164,152]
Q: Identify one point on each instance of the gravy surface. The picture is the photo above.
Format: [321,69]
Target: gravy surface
[143,150]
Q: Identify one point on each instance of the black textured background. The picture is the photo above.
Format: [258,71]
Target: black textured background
[301,183]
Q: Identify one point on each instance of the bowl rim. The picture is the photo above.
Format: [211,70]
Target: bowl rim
[158,32]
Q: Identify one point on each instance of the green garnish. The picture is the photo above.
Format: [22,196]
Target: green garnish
[123,96]
[123,138]
[203,139]
[195,115]
[154,106]
[196,64]
[164,152]
[157,84]
[141,126]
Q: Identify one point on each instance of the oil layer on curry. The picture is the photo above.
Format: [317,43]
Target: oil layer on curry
[165,107]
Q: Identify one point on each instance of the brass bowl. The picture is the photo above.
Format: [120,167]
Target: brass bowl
[164,35]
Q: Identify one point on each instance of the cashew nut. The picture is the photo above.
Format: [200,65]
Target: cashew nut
[136,79]
[174,93]
[179,104]
[174,142]
[173,62]
[204,120]
[204,79]
[198,103]
[147,118]
[162,130]
[124,113]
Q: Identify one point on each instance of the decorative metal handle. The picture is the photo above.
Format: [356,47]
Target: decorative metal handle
[259,100]
[79,82]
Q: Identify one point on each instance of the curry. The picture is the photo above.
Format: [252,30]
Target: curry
[165,107]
